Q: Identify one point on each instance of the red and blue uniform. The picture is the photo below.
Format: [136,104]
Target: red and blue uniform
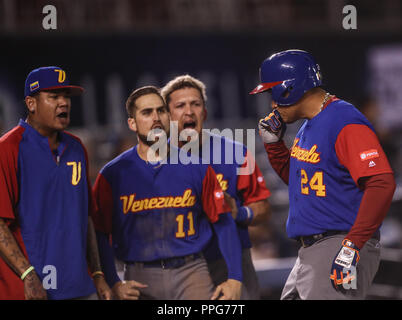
[329,156]
[227,158]
[160,211]
[45,197]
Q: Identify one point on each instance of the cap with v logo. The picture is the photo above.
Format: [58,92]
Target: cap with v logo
[49,78]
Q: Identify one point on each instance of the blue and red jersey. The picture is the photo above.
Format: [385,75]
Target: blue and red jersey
[227,158]
[156,211]
[45,198]
[330,153]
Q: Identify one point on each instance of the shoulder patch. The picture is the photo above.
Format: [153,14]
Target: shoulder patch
[369,154]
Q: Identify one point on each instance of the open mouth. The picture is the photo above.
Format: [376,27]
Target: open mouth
[189,125]
[63,115]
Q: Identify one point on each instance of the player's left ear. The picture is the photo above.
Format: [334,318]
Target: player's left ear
[132,124]
[205,114]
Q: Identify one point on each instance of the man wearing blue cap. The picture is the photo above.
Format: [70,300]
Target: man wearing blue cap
[340,182]
[47,240]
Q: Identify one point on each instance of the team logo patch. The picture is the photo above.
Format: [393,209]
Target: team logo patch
[371,164]
[369,154]
[34,85]
[62,75]
[218,194]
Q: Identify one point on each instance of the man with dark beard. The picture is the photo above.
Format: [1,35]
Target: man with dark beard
[159,214]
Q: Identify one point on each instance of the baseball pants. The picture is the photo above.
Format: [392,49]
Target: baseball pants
[250,289]
[309,278]
[188,282]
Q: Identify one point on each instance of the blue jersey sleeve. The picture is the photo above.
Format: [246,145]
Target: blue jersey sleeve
[107,259]
[229,244]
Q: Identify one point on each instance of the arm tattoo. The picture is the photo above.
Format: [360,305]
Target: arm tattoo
[10,251]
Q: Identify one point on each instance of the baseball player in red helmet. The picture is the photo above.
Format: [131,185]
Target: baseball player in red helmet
[160,215]
[247,193]
[47,239]
[340,182]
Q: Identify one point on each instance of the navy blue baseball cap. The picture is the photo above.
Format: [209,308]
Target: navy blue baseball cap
[49,78]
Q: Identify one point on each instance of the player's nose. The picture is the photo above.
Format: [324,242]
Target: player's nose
[63,101]
[188,110]
[156,117]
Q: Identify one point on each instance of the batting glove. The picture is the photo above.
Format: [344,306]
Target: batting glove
[272,128]
[343,271]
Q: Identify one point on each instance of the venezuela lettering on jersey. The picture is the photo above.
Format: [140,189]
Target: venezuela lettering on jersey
[305,155]
[223,183]
[130,204]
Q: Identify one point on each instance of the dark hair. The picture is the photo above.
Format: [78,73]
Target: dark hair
[130,103]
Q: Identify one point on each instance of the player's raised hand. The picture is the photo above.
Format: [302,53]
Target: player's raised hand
[272,128]
[128,290]
[343,270]
[228,290]
[33,287]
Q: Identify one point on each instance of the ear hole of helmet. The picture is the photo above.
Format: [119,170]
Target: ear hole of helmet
[286,93]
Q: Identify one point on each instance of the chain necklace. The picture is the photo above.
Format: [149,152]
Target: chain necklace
[326,98]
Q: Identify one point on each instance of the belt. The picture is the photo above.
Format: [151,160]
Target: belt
[307,241]
[168,263]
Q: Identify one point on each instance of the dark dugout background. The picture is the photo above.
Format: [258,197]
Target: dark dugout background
[112,47]
[342,58]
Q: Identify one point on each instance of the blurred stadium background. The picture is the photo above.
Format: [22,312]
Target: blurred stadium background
[111,47]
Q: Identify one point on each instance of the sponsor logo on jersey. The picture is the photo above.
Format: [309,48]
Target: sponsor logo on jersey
[130,204]
[371,163]
[305,155]
[369,154]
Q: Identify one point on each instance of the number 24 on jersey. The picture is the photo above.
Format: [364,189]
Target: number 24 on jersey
[315,183]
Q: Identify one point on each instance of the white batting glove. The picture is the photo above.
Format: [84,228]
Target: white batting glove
[272,128]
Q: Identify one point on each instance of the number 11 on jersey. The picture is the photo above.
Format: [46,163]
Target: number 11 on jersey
[180,225]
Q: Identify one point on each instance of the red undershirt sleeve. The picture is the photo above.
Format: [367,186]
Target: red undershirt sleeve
[252,186]
[279,157]
[358,149]
[91,199]
[11,286]
[376,201]
[102,217]
[213,201]
[8,180]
